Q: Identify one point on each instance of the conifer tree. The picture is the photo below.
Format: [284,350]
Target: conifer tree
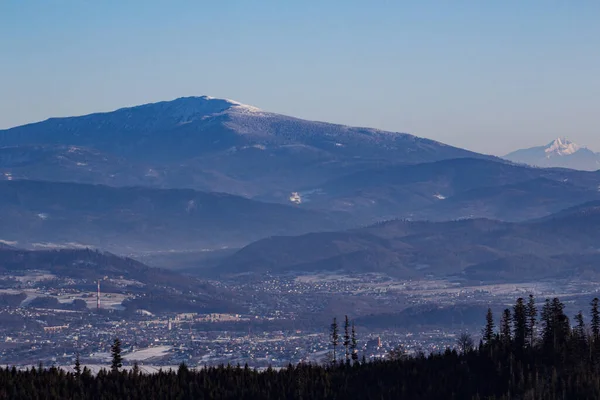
[582,342]
[115,351]
[579,331]
[77,365]
[505,327]
[354,344]
[531,320]
[335,336]
[347,339]
[183,370]
[547,324]
[562,327]
[519,324]
[556,324]
[488,331]
[595,322]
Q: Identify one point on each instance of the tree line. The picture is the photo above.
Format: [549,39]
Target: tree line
[526,354]
[349,341]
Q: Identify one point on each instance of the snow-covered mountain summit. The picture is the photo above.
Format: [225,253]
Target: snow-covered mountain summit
[204,125]
[206,143]
[182,110]
[561,153]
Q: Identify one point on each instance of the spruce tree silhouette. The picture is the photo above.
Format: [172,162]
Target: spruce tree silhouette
[117,360]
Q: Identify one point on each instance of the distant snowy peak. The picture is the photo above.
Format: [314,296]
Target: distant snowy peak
[561,147]
[560,153]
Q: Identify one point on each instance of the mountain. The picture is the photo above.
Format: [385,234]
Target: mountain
[78,271]
[560,153]
[478,249]
[452,189]
[206,144]
[215,145]
[137,219]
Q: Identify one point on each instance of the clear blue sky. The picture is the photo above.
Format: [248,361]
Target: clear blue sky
[490,76]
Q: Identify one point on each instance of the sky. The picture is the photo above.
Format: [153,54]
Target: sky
[487,76]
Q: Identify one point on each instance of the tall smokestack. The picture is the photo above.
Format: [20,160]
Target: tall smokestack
[98,296]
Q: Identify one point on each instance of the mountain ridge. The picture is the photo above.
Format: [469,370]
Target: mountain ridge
[433,190]
[415,249]
[209,144]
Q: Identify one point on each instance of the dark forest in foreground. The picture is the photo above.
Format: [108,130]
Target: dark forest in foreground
[532,355]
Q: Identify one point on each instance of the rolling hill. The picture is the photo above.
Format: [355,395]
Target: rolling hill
[479,249]
[136,219]
[77,271]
